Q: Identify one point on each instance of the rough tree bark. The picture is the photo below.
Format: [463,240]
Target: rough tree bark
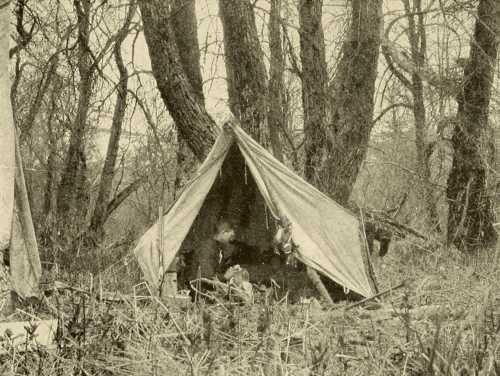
[245,69]
[184,24]
[352,101]
[471,216]
[248,93]
[178,78]
[314,87]
[99,216]
[75,163]
[314,102]
[247,88]
[193,122]
[276,115]
[185,28]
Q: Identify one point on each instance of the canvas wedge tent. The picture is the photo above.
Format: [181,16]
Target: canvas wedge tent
[329,238]
[16,227]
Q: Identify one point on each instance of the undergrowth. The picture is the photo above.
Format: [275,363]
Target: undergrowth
[445,321]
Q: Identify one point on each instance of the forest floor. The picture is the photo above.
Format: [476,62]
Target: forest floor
[445,321]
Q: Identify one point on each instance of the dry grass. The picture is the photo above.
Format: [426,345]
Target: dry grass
[446,321]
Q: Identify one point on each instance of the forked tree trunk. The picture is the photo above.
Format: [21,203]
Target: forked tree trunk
[248,92]
[193,122]
[315,106]
[352,100]
[245,69]
[174,60]
[314,87]
[471,216]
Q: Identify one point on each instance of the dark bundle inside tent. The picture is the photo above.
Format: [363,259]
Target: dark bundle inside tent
[245,185]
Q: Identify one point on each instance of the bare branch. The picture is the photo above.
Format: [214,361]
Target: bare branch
[122,196]
[391,107]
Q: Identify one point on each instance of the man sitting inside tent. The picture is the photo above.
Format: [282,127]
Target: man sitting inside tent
[217,254]
[211,257]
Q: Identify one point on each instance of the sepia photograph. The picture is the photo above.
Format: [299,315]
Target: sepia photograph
[249,187]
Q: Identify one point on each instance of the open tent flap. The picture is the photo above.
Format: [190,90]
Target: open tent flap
[179,219]
[234,196]
[326,233]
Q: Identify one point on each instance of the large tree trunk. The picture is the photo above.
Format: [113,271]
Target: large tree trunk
[314,87]
[193,122]
[471,216]
[173,48]
[248,93]
[352,100]
[99,215]
[185,27]
[75,165]
[247,90]
[246,72]
[247,85]
[276,115]
[184,24]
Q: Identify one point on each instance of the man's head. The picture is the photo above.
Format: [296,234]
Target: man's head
[224,232]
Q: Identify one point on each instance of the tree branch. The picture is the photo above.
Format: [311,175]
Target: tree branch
[390,63]
[122,196]
[389,108]
[24,36]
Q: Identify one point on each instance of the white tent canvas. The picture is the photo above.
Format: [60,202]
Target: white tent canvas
[7,156]
[16,227]
[327,235]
